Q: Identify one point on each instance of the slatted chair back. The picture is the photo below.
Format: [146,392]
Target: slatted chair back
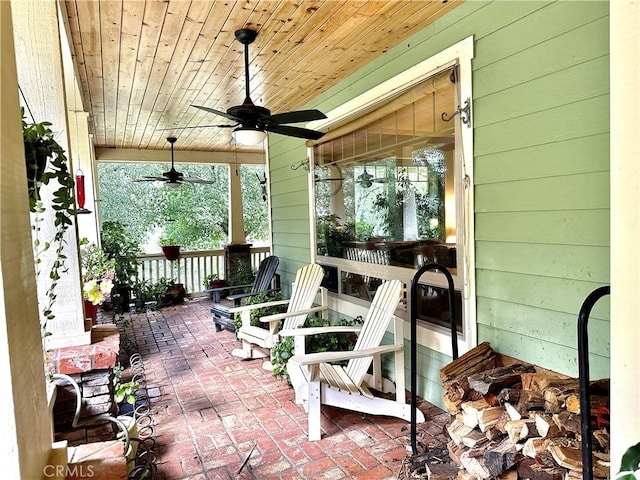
[303,292]
[266,271]
[382,308]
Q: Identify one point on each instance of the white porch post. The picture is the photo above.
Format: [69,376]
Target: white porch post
[40,75]
[625,226]
[25,443]
[236,220]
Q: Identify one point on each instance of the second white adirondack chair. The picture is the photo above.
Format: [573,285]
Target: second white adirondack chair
[317,382]
[257,341]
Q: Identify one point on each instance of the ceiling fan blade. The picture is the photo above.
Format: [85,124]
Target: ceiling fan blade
[150,179]
[198,126]
[197,180]
[219,112]
[294,131]
[294,117]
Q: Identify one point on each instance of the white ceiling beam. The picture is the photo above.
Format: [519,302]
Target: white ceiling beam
[181,156]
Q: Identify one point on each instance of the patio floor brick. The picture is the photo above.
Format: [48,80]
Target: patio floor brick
[210,408]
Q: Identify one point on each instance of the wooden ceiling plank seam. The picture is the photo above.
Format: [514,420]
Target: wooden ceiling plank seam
[201,51]
[238,85]
[130,37]
[411,32]
[221,44]
[303,48]
[336,40]
[275,12]
[229,89]
[270,37]
[299,45]
[150,30]
[224,68]
[110,28]
[350,66]
[170,36]
[306,57]
[191,30]
[281,16]
[171,26]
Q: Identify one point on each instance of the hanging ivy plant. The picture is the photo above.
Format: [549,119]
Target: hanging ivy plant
[46,162]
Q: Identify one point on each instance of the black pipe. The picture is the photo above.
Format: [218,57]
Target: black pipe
[583,373]
[454,337]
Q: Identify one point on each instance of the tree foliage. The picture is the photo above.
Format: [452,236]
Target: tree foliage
[197,215]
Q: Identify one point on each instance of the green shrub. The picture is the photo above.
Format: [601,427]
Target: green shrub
[282,351]
[262,297]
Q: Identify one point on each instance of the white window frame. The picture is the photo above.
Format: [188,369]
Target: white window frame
[431,336]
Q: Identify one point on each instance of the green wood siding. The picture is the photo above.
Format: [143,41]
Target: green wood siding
[289,207]
[541,174]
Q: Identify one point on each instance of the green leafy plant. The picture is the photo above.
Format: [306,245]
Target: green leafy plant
[118,246]
[46,162]
[208,279]
[168,240]
[144,290]
[123,391]
[630,464]
[261,297]
[241,273]
[283,350]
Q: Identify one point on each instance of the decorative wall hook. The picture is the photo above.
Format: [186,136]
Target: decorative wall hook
[304,164]
[465,113]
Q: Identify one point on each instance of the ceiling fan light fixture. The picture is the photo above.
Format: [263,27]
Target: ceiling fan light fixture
[172,184]
[249,135]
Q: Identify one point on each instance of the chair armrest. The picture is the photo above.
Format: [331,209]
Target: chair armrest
[245,308]
[222,289]
[282,316]
[296,332]
[324,357]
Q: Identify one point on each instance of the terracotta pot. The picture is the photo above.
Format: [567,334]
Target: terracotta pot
[171,252]
[90,311]
[218,284]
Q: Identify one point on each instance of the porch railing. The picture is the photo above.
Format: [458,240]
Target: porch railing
[192,267]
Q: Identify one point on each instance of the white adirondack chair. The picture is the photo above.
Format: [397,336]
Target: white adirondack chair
[317,382]
[257,341]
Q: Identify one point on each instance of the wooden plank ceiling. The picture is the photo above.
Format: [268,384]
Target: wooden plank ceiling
[141,64]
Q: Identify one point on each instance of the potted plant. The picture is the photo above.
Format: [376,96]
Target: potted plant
[175,292]
[212,281]
[118,246]
[46,162]
[144,290]
[98,272]
[170,247]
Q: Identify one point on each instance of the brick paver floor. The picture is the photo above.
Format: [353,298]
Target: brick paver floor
[210,409]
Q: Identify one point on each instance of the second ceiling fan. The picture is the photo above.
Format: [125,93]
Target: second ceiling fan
[253,121]
[173,178]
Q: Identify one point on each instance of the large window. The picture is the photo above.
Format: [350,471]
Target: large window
[390,197]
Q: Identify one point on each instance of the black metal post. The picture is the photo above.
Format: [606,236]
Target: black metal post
[583,373]
[454,337]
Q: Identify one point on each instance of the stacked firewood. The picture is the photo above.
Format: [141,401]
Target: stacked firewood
[515,421]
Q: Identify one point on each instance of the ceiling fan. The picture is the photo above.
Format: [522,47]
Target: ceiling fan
[173,178]
[252,121]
